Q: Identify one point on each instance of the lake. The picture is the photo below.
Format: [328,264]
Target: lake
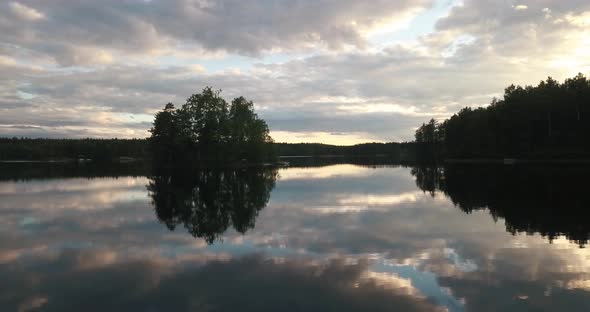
[338,237]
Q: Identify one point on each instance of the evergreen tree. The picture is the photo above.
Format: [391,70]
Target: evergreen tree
[543,121]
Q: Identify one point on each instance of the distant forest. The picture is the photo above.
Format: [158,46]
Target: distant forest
[549,120]
[113,149]
[70,149]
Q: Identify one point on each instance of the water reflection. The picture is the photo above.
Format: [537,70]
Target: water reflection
[551,201]
[340,237]
[208,201]
[97,281]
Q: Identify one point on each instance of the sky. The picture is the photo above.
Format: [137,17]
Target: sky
[329,71]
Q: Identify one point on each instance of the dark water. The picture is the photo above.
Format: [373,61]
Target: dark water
[330,238]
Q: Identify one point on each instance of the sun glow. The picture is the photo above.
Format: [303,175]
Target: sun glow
[335,138]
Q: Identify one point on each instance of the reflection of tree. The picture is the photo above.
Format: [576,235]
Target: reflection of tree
[428,178]
[546,200]
[208,201]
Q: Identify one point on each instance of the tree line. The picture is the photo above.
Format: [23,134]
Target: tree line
[71,149]
[112,149]
[24,171]
[551,119]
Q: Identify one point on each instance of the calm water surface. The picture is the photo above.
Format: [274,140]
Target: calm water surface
[332,238]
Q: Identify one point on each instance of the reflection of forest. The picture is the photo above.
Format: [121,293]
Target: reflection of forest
[209,201]
[533,199]
[46,170]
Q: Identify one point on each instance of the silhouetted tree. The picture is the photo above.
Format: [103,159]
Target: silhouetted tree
[547,120]
[207,129]
[166,139]
[249,135]
[428,141]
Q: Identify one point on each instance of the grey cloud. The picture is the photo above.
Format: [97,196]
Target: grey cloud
[69,31]
[142,90]
[491,15]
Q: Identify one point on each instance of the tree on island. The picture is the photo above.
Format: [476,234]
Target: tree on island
[207,129]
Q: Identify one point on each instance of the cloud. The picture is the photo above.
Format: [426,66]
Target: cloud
[516,31]
[83,69]
[74,32]
[25,12]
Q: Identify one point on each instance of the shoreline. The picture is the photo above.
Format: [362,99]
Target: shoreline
[513,161]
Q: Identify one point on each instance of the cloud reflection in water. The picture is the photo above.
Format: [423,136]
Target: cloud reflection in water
[403,249]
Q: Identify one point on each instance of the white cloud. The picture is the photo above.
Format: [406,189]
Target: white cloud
[580,19]
[25,12]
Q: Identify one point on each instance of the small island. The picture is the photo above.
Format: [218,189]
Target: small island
[208,130]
